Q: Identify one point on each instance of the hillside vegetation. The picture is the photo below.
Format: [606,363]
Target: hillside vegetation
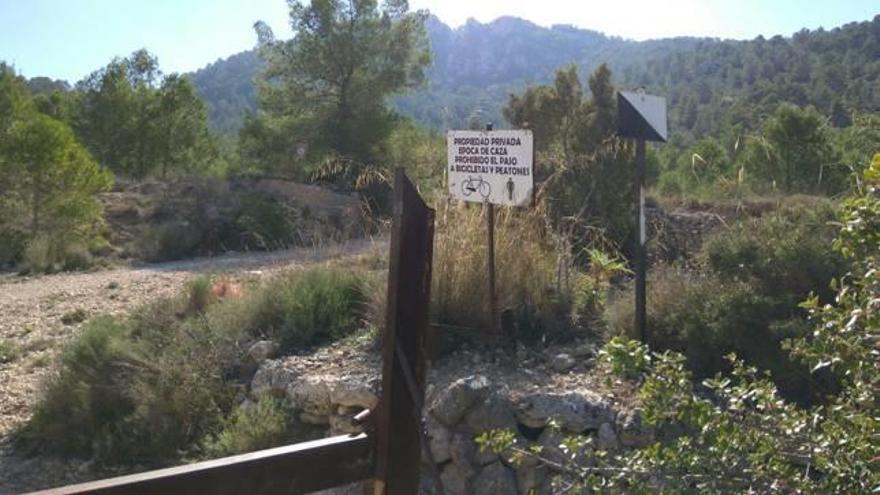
[760,361]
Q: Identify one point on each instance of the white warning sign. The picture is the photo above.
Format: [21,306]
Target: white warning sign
[491,166]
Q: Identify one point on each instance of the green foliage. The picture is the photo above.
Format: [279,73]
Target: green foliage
[263,425]
[794,153]
[744,296]
[737,435]
[325,89]
[586,169]
[49,194]
[785,253]
[133,391]
[261,222]
[159,385]
[249,221]
[590,290]
[8,352]
[75,316]
[169,241]
[137,122]
[316,306]
[627,357]
[198,294]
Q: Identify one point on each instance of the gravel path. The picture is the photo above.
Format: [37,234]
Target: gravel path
[38,314]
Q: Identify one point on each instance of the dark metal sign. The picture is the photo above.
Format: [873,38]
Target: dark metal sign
[641,116]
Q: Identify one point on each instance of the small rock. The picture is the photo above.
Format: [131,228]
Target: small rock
[439,438]
[451,404]
[575,411]
[563,362]
[311,394]
[495,412]
[606,438]
[356,392]
[584,351]
[273,378]
[456,478]
[262,350]
[495,479]
[633,431]
[529,479]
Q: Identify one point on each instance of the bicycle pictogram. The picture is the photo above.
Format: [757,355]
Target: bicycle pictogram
[476,185]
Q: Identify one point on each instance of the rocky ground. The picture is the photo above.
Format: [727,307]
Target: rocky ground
[39,314]
[468,392]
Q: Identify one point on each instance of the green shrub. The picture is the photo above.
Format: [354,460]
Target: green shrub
[264,425]
[260,223]
[12,245]
[786,253]
[84,407]
[44,254]
[169,241]
[627,358]
[314,307]
[198,292]
[75,316]
[706,318]
[8,352]
[39,255]
[136,391]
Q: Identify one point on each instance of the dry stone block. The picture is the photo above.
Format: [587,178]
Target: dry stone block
[451,404]
[439,438]
[457,478]
[575,412]
[495,479]
[273,378]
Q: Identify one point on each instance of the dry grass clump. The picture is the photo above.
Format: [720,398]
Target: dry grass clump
[527,265]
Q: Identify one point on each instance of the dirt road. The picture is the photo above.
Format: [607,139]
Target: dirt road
[38,314]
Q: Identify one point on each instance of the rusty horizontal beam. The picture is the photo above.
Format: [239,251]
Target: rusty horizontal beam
[293,469]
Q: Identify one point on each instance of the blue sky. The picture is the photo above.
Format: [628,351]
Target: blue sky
[69,39]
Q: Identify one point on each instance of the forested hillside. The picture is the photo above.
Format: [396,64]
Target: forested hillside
[709,83]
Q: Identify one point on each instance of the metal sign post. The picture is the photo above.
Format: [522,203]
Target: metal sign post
[491,167]
[490,262]
[641,117]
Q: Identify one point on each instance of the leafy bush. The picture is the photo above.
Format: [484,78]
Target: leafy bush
[738,434]
[43,254]
[744,296]
[263,425]
[75,316]
[198,292]
[12,245]
[316,306]
[786,253]
[170,241]
[260,222]
[136,391]
[628,358]
[8,352]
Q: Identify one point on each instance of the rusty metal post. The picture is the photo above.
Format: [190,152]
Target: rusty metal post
[490,262]
[398,426]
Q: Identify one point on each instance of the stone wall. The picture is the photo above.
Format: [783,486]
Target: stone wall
[457,410]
